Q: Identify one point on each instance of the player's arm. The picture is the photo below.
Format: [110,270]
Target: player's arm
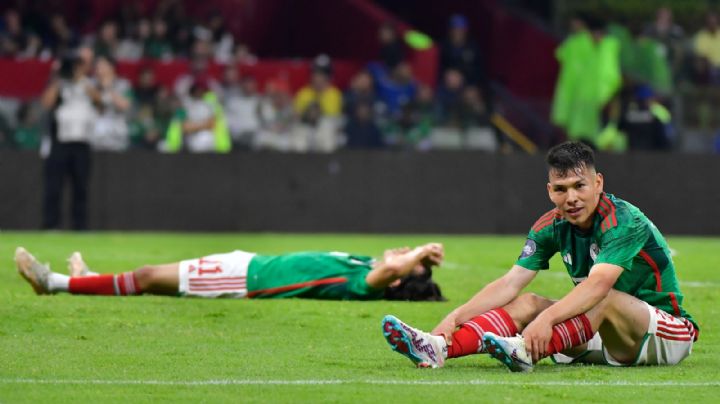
[50,95]
[582,298]
[401,262]
[495,294]
[192,127]
[586,295]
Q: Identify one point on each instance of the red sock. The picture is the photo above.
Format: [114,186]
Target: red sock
[570,333]
[467,340]
[120,284]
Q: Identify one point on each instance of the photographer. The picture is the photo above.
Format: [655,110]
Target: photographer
[111,132]
[70,98]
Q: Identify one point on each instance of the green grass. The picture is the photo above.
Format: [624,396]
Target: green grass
[153,339]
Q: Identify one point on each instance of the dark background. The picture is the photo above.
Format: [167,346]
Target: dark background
[452,192]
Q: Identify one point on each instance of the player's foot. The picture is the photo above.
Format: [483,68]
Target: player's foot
[423,349]
[32,271]
[509,350]
[76,265]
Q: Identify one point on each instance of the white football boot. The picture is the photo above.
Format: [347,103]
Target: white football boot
[77,266]
[423,349]
[509,350]
[32,271]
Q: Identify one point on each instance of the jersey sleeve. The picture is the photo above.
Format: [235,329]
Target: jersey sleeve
[619,245]
[539,247]
[358,288]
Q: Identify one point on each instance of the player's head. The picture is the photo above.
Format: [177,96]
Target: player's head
[417,286]
[573,184]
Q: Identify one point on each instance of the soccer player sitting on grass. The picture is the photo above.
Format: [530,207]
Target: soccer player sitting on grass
[401,274]
[626,306]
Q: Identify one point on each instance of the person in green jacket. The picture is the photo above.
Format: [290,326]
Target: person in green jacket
[589,77]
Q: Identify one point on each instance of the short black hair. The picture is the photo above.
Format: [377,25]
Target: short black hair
[570,156]
[416,288]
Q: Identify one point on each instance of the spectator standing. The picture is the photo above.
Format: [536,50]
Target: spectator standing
[153,110]
[589,78]
[320,90]
[199,69]
[707,45]
[473,112]
[69,98]
[277,119]
[159,46]
[241,101]
[645,122]
[450,98]
[391,48]
[111,126]
[12,38]
[61,39]
[461,53]
[132,45]
[107,42]
[361,131]
[671,36]
[222,39]
[412,128]
[394,90]
[361,91]
[318,106]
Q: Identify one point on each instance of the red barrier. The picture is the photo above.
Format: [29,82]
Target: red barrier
[26,79]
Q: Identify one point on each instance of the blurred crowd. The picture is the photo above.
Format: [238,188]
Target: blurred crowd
[384,105]
[624,84]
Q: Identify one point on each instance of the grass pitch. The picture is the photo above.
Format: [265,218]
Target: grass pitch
[67,348]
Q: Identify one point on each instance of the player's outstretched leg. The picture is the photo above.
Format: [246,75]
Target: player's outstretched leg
[423,349]
[35,273]
[509,350]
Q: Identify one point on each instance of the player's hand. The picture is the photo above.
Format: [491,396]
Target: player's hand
[433,254]
[538,335]
[394,252]
[446,328]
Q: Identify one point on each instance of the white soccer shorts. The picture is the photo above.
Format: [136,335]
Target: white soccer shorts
[218,275]
[668,341]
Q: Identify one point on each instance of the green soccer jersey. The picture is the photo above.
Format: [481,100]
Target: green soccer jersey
[317,275]
[621,235]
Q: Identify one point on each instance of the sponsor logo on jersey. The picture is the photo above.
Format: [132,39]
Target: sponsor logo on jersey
[578,280]
[594,251]
[529,248]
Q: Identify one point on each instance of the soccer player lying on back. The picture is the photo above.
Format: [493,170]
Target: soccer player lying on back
[401,274]
[625,308]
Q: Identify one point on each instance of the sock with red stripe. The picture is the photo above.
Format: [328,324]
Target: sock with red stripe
[468,339]
[570,333]
[121,284]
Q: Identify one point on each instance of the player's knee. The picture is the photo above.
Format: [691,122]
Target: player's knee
[145,277]
[526,307]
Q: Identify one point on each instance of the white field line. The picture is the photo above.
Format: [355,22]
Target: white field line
[696,284]
[316,382]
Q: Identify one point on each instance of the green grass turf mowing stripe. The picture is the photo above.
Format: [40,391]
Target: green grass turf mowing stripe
[53,341]
[477,382]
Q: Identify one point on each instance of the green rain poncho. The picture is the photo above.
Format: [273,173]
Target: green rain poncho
[589,77]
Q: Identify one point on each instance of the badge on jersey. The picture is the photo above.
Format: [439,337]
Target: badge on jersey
[529,248]
[594,251]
